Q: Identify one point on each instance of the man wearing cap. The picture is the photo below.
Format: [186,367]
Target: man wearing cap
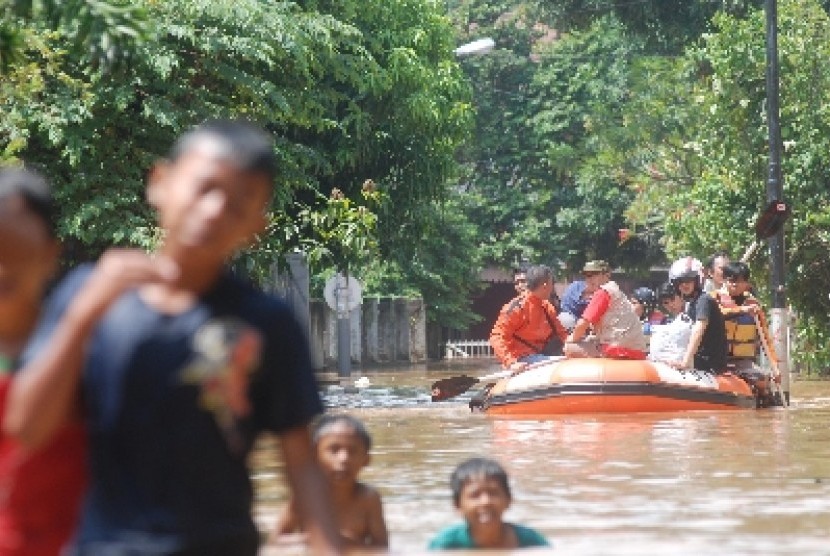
[617,329]
[528,325]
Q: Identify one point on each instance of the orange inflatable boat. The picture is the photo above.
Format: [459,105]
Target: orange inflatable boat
[614,386]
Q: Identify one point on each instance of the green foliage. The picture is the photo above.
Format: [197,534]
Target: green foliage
[340,234]
[719,193]
[440,261]
[104,32]
[665,26]
[582,89]
[350,89]
[542,182]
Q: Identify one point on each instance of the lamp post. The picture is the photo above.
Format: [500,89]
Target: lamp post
[475,48]
[779,326]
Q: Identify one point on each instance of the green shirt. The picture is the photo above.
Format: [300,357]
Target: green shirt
[458,536]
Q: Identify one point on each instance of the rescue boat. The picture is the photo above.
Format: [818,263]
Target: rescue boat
[614,386]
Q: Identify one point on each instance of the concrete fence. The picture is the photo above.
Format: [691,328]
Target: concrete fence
[383,330]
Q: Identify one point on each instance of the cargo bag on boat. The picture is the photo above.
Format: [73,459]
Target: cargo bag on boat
[669,341]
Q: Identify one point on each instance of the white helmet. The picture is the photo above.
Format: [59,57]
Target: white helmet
[687,267]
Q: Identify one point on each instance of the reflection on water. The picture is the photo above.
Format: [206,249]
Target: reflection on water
[744,482]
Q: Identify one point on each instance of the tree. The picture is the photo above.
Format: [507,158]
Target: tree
[102,32]
[366,91]
[716,202]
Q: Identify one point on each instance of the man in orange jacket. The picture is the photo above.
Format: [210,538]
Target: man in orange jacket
[528,323]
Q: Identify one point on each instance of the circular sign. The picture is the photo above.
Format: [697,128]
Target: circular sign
[343,294]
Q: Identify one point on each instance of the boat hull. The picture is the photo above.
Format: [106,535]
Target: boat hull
[615,386]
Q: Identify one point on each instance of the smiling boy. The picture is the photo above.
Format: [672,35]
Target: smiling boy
[179,366]
[481,494]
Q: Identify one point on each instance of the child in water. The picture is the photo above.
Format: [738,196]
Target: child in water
[481,493]
[342,444]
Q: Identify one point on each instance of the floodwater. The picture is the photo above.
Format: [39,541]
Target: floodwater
[731,482]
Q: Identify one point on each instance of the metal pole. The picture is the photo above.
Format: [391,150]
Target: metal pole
[775,192]
[344,341]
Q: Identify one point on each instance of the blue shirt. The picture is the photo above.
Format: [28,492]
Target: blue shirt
[168,449]
[459,537]
[572,301]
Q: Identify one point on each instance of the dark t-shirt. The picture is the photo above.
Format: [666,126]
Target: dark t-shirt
[168,438]
[711,354]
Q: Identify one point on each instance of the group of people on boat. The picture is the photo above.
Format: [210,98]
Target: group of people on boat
[595,318]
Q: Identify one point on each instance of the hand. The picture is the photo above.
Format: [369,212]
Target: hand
[518,367]
[117,271]
[750,309]
[679,365]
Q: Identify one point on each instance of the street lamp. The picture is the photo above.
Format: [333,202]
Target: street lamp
[475,48]
[779,316]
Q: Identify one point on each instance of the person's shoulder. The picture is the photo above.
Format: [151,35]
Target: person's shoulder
[249,299]
[75,277]
[575,286]
[65,289]
[514,304]
[366,493]
[528,536]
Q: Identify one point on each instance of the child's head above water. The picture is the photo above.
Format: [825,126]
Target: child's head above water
[339,422]
[342,444]
[477,469]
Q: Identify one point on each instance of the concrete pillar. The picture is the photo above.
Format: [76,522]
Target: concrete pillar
[370,329]
[387,331]
[417,319]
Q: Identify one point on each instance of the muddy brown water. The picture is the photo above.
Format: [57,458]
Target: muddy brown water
[730,482]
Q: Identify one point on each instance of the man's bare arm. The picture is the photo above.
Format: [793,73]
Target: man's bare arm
[698,328]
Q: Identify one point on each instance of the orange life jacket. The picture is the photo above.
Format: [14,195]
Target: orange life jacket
[741,331]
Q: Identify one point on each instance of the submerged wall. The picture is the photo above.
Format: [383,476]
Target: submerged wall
[383,330]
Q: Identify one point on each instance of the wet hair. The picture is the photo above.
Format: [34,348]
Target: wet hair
[475,468]
[326,422]
[710,262]
[667,290]
[33,189]
[537,275]
[245,145]
[737,269]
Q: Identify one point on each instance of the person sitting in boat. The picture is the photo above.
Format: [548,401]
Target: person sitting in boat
[574,300]
[527,329]
[707,346]
[617,329]
[644,301]
[744,318]
[520,281]
[671,301]
[714,272]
